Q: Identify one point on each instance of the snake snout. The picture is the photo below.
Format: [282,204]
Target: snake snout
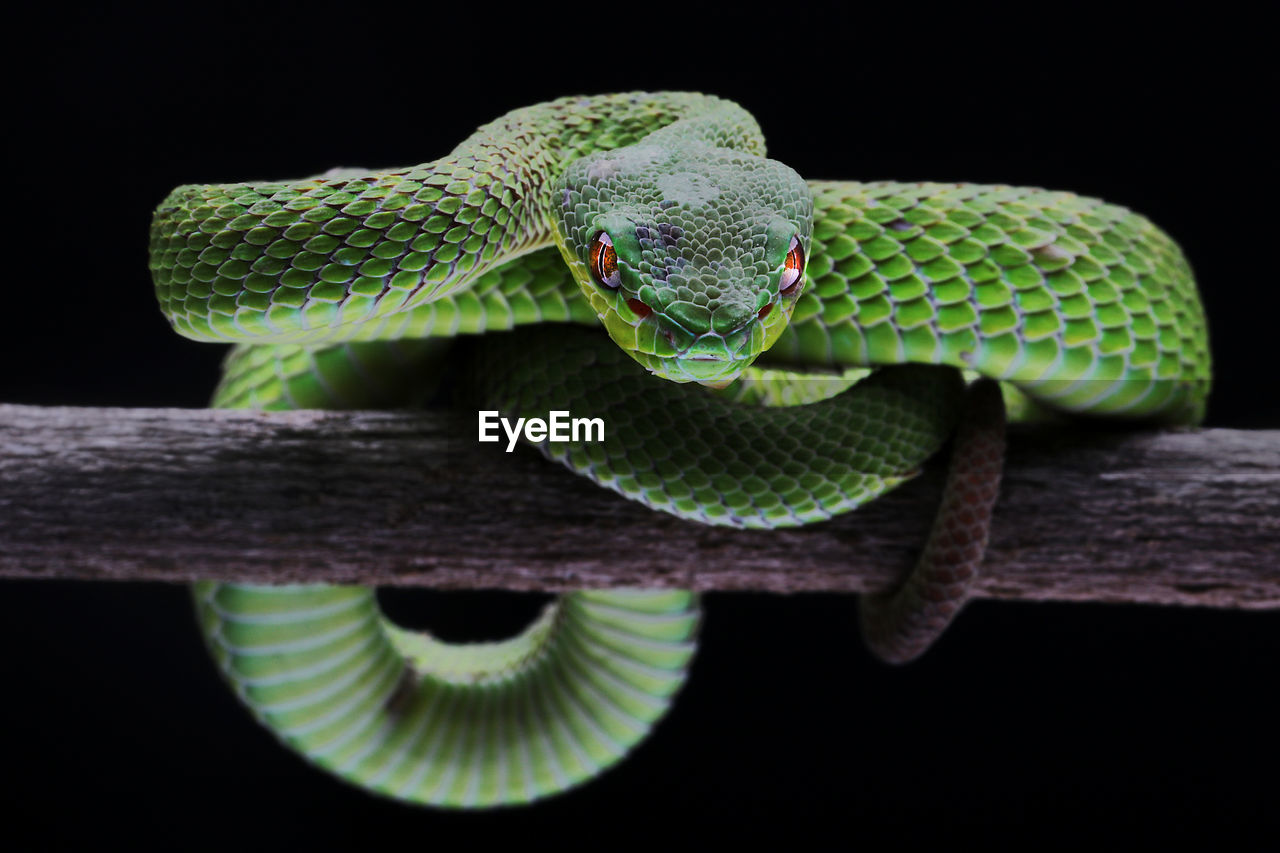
[731,317]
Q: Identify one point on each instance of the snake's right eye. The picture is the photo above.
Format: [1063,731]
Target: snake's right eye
[604,262]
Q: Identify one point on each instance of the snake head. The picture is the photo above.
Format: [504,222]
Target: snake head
[692,256]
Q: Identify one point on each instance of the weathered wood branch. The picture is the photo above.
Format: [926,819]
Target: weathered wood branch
[1187,517]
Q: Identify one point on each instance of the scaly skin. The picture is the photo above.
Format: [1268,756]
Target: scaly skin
[1085,306]
[900,624]
[344,290]
[325,259]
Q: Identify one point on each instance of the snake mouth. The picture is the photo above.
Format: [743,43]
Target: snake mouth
[711,370]
[708,358]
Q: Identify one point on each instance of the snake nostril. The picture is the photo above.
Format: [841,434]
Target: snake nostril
[764,312]
[641,310]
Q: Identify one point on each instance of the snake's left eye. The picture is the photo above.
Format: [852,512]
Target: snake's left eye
[604,262]
[793,270]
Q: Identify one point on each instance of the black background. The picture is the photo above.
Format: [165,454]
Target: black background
[1050,720]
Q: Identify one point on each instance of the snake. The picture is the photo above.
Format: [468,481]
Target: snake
[776,351]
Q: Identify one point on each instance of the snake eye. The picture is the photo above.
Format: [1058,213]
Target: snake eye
[793,271]
[604,262]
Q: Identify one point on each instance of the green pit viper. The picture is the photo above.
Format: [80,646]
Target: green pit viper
[658,216]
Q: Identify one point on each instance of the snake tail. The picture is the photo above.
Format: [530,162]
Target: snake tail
[899,625]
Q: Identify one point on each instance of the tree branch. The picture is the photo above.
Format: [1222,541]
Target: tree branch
[411,498]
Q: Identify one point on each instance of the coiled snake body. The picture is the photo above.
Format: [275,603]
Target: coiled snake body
[698,255]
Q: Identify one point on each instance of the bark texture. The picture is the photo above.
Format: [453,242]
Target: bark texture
[411,498]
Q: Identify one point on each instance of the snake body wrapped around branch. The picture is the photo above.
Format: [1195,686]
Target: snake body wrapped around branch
[658,216]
